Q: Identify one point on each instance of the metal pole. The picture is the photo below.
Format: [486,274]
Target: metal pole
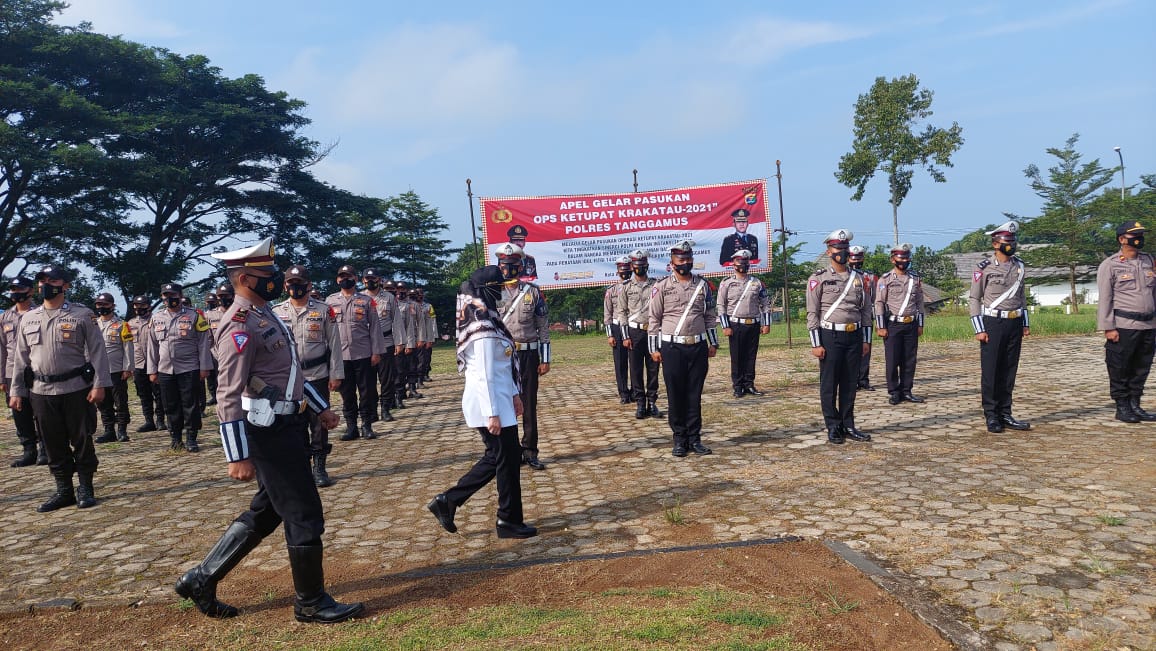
[636,180]
[1118,153]
[783,252]
[473,226]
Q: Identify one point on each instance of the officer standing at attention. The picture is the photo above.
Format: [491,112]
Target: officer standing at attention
[745,313]
[517,235]
[314,329]
[179,359]
[20,293]
[523,310]
[682,337]
[147,391]
[739,240]
[634,314]
[405,361]
[213,313]
[1127,315]
[361,349]
[616,331]
[393,332]
[839,322]
[421,319]
[119,349]
[869,282]
[899,320]
[431,337]
[60,350]
[998,314]
[261,400]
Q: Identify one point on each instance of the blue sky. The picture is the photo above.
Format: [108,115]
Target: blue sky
[539,98]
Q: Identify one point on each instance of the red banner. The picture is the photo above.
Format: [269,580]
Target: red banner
[574,240]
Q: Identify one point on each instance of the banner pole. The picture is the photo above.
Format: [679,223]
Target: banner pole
[473,225]
[783,250]
[636,180]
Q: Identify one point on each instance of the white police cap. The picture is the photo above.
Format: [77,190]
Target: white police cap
[682,247]
[258,255]
[639,254]
[508,250]
[857,250]
[742,254]
[1009,228]
[840,235]
[622,260]
[906,247]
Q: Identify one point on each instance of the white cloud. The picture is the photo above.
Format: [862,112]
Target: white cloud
[128,18]
[766,39]
[1051,20]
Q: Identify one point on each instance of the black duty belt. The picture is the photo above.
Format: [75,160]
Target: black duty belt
[316,361]
[61,377]
[1135,316]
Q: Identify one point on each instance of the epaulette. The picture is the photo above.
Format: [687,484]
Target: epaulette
[983,263]
[820,271]
[241,315]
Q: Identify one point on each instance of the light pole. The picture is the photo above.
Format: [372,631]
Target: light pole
[1121,155]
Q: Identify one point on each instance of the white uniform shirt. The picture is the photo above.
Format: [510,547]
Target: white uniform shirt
[490,389]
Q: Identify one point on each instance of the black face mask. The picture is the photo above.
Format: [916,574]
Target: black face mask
[840,256]
[212,304]
[347,283]
[1007,248]
[640,269]
[227,301]
[372,284]
[297,290]
[173,301]
[140,311]
[1134,240]
[855,264]
[902,265]
[683,269]
[271,287]
[742,267]
[103,311]
[511,271]
[20,297]
[49,292]
[623,273]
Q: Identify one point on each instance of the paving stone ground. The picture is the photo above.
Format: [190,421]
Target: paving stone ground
[1040,540]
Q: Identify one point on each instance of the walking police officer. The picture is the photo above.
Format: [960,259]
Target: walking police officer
[899,320]
[522,308]
[314,328]
[361,349]
[744,309]
[839,322]
[261,400]
[869,280]
[60,353]
[681,336]
[119,349]
[997,306]
[20,293]
[179,358]
[1127,315]
[634,314]
[147,391]
[616,331]
[392,331]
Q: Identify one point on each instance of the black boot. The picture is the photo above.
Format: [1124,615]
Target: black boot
[350,430]
[26,459]
[1124,411]
[191,441]
[200,583]
[149,425]
[385,415]
[413,392]
[399,399]
[367,431]
[122,433]
[109,435]
[175,443]
[313,604]
[41,453]
[652,410]
[161,424]
[320,477]
[85,495]
[64,495]
[641,411]
[1143,415]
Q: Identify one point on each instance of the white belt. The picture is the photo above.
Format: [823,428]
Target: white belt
[1003,314]
[744,321]
[690,339]
[616,322]
[902,319]
[281,407]
[639,326]
[533,345]
[842,327]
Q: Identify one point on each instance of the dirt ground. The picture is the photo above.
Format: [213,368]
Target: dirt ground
[798,579]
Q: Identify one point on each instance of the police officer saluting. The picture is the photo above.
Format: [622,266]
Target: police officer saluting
[314,329]
[839,321]
[180,358]
[998,314]
[261,399]
[682,337]
[616,331]
[634,313]
[118,347]
[20,293]
[361,348]
[60,367]
[745,313]
[1127,315]
[899,319]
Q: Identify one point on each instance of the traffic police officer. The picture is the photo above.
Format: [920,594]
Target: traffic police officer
[517,235]
[522,308]
[361,349]
[179,358]
[20,293]
[1127,315]
[745,313]
[147,391]
[119,349]
[681,336]
[392,331]
[634,314]
[616,331]
[839,322]
[869,281]
[314,329]
[899,320]
[60,354]
[997,306]
[739,240]
[261,400]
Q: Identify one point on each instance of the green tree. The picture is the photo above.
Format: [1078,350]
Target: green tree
[1078,236]
[413,247]
[885,141]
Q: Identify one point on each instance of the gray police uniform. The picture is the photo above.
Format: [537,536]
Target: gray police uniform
[179,347]
[147,391]
[633,312]
[1128,306]
[361,338]
[120,351]
[899,310]
[394,334]
[617,331]
[25,422]
[839,320]
[523,309]
[319,353]
[997,306]
[744,308]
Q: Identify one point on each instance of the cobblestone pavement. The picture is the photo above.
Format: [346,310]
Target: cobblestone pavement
[1043,539]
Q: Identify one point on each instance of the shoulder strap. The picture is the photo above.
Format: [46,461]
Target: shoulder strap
[689,303]
[846,288]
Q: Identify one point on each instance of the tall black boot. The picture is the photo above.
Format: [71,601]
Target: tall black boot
[313,604]
[175,442]
[122,433]
[191,441]
[1124,411]
[1141,413]
[200,583]
[350,430]
[26,459]
[85,495]
[652,408]
[161,424]
[385,415]
[41,453]
[64,495]
[109,435]
[320,476]
[399,399]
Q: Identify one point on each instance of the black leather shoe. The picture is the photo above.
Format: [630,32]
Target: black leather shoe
[866,387]
[910,397]
[894,399]
[1015,424]
[511,530]
[535,464]
[994,426]
[754,392]
[350,431]
[444,512]
[652,409]
[1142,414]
[626,400]
[367,431]
[834,435]
[855,434]
[679,451]
[640,411]
[740,393]
[698,448]
[109,436]
[148,426]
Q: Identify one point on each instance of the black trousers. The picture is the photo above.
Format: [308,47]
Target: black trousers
[401,365]
[621,356]
[360,380]
[684,369]
[67,422]
[425,363]
[839,375]
[744,344]
[211,381]
[900,351]
[999,361]
[114,407]
[183,397]
[864,378]
[25,421]
[317,442]
[640,358]
[1129,361]
[285,489]
[502,460]
[149,393]
[387,376]
[529,360]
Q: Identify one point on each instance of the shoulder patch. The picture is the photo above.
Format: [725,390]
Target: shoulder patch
[332,316]
[983,263]
[240,340]
[976,275]
[812,285]
[125,331]
[241,315]
[202,322]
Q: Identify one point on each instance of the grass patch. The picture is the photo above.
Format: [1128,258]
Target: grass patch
[185,605]
[673,511]
[1111,520]
[837,603]
[749,618]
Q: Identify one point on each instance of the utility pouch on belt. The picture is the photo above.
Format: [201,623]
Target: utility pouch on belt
[260,412]
[29,376]
[88,372]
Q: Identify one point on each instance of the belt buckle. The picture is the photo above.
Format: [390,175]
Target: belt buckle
[303,407]
[1011,314]
[852,327]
